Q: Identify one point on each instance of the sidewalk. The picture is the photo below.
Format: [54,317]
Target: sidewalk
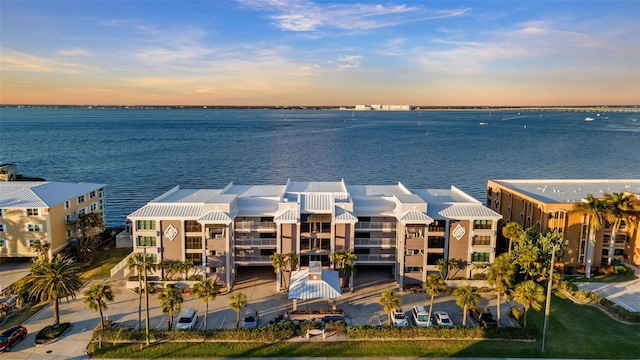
[625,294]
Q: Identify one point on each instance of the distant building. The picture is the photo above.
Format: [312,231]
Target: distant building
[8,172]
[225,230]
[38,212]
[378,107]
[547,204]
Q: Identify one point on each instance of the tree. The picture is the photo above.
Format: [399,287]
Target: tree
[390,301]
[500,276]
[96,299]
[466,297]
[185,266]
[291,262]
[170,301]
[42,250]
[445,266]
[345,262]
[206,290]
[512,231]
[279,263]
[88,226]
[54,279]
[238,301]
[434,286]
[530,295]
[596,210]
[620,207]
[138,262]
[526,253]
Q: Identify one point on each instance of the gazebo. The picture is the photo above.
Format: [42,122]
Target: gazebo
[314,283]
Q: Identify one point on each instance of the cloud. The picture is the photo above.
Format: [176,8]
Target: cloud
[74,52]
[349,61]
[13,60]
[301,15]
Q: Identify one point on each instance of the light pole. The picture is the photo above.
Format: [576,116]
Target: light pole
[548,302]
[146,295]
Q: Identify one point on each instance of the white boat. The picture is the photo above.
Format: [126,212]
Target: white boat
[484,123]
[588,119]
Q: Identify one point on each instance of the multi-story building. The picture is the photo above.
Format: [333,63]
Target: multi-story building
[224,230]
[39,211]
[548,204]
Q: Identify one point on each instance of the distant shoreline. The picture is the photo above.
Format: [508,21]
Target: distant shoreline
[594,108]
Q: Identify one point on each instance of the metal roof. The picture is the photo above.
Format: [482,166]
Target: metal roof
[315,186]
[166,211]
[461,211]
[39,194]
[288,216]
[415,216]
[409,199]
[570,191]
[372,205]
[303,288]
[256,206]
[217,217]
[188,196]
[311,203]
[343,216]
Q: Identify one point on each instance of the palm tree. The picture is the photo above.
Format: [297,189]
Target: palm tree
[512,231]
[390,301]
[531,295]
[466,297]
[55,279]
[138,262]
[621,207]
[278,261]
[596,210]
[238,301]
[96,299]
[434,286]
[345,261]
[170,300]
[206,290]
[500,276]
[291,261]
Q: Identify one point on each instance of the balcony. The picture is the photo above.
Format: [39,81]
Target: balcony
[254,259]
[414,260]
[124,240]
[382,242]
[249,226]
[249,241]
[415,243]
[216,244]
[373,225]
[376,258]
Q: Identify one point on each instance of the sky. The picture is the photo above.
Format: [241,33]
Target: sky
[315,52]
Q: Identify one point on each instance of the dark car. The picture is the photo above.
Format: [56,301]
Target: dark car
[10,337]
[484,317]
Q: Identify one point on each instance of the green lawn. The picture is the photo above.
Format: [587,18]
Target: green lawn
[606,278]
[576,331]
[102,263]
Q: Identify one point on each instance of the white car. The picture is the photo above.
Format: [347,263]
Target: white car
[399,318]
[442,318]
[187,320]
[421,316]
[250,319]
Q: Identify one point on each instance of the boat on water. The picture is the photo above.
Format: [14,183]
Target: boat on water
[484,123]
[588,118]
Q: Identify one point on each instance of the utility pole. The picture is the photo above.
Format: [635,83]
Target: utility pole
[146,295]
[547,306]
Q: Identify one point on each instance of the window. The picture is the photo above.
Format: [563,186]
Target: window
[2,228]
[153,258]
[1,212]
[192,226]
[220,253]
[437,225]
[82,211]
[33,212]
[31,242]
[409,269]
[34,228]
[489,191]
[146,241]
[67,204]
[146,224]
[432,258]
[193,242]
[482,224]
[481,240]
[196,258]
[436,242]
[80,199]
[92,194]
[93,207]
[267,252]
[480,257]
[3,243]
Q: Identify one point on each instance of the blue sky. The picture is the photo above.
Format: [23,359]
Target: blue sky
[296,52]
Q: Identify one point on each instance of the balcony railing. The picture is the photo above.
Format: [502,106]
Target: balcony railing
[383,242]
[382,258]
[372,225]
[253,258]
[255,226]
[255,241]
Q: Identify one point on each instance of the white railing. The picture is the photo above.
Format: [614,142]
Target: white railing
[366,225]
[121,265]
[124,240]
[254,226]
[376,258]
[253,258]
[255,241]
[385,242]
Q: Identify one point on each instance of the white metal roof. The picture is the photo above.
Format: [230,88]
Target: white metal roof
[570,191]
[461,211]
[316,203]
[315,186]
[256,206]
[343,216]
[217,217]
[376,190]
[153,211]
[372,205]
[415,216]
[409,199]
[41,194]
[302,288]
[288,216]
[187,196]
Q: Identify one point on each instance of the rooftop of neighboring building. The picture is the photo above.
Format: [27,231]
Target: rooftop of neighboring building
[41,194]
[570,191]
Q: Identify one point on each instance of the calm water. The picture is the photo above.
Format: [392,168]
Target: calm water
[142,153]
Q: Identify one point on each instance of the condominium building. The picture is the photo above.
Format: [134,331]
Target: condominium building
[547,204]
[224,230]
[39,212]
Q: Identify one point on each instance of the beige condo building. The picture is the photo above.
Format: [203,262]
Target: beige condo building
[547,204]
[407,230]
[39,212]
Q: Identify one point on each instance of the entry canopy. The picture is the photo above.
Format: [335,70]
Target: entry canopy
[314,283]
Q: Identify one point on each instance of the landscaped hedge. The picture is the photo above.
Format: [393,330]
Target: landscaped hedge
[437,332]
[619,311]
[49,333]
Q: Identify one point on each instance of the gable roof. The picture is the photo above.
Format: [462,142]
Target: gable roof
[41,194]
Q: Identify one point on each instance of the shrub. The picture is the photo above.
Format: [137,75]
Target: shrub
[621,270]
[479,276]
[308,325]
[436,332]
[619,311]
[50,332]
[335,326]
[517,313]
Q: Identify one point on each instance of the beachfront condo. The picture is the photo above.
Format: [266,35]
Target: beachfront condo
[548,204]
[223,231]
[41,212]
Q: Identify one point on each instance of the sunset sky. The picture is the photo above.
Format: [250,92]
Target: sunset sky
[298,52]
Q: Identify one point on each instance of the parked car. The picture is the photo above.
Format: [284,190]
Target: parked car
[442,318]
[187,320]
[250,319]
[484,317]
[10,337]
[421,316]
[399,318]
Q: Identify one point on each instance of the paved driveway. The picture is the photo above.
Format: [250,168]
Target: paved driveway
[625,294]
[10,272]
